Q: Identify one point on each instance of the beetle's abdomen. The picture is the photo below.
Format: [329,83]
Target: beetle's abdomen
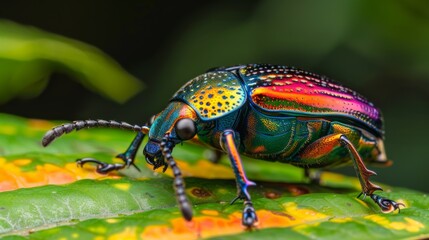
[213,94]
[278,138]
[299,93]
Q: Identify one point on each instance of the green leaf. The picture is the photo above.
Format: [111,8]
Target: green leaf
[29,55]
[40,206]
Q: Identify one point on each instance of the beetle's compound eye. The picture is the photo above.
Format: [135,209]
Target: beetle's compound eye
[185,129]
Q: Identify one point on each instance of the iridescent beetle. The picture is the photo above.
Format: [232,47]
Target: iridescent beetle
[267,112]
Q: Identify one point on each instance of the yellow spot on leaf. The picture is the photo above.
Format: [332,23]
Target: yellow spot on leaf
[99,229]
[378,219]
[213,225]
[22,162]
[409,225]
[8,130]
[361,202]
[13,177]
[122,186]
[210,212]
[204,169]
[112,220]
[303,214]
[128,233]
[342,220]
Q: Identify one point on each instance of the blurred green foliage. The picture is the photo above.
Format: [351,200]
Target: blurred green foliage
[379,48]
[28,56]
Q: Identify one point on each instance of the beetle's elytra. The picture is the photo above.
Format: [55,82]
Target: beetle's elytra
[267,112]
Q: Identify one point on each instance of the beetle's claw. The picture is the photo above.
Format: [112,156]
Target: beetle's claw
[385,204]
[128,161]
[102,167]
[249,218]
[235,199]
[249,215]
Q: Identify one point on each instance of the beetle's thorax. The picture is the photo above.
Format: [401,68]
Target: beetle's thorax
[165,121]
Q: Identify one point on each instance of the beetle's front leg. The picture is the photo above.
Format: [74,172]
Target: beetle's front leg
[128,157]
[228,144]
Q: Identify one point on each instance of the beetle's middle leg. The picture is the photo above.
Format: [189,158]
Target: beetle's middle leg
[228,144]
[332,147]
[128,157]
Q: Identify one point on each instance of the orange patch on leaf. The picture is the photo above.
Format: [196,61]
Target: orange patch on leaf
[12,177]
[210,226]
[203,169]
[40,124]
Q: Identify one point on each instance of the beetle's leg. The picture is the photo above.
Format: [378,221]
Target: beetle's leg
[128,157]
[179,183]
[327,148]
[229,146]
[363,173]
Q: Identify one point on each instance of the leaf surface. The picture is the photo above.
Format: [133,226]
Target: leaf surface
[45,196]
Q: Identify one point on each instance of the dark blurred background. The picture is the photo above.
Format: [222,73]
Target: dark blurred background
[379,48]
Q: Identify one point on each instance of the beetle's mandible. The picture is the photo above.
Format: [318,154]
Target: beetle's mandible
[267,112]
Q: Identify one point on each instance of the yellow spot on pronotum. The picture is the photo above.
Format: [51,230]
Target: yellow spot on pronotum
[75,235]
[22,162]
[122,186]
[112,220]
[8,130]
[210,212]
[409,225]
[99,238]
[128,233]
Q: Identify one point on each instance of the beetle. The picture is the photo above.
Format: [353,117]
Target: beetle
[267,112]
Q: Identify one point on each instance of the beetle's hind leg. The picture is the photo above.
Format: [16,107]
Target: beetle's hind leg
[330,148]
[228,144]
[363,173]
[128,157]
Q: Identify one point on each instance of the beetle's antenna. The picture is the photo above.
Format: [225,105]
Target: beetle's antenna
[179,184]
[58,131]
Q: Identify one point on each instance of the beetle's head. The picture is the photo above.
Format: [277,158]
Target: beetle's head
[177,123]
